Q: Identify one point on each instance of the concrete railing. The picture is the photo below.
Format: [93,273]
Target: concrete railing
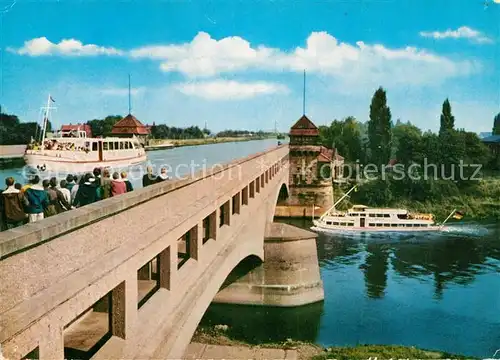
[53,271]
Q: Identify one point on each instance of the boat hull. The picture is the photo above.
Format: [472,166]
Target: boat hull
[355,229]
[54,165]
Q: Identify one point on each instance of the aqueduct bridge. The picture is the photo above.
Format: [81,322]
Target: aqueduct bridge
[135,272]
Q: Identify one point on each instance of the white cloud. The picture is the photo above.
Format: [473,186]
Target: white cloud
[323,54]
[205,56]
[66,47]
[113,91]
[463,32]
[347,66]
[230,90]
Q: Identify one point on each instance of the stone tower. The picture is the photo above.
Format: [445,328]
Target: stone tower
[311,166]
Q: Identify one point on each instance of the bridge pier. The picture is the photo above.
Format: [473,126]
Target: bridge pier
[288,277]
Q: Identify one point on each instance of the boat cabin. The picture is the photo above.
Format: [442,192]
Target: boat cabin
[360,216]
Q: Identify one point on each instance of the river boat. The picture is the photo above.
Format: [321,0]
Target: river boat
[73,152]
[361,218]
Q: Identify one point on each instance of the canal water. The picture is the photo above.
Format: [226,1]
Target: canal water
[438,292]
[431,291]
[179,162]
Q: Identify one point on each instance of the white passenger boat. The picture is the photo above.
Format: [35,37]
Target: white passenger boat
[360,218]
[74,152]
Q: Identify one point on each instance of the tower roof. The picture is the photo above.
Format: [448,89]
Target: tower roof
[130,125]
[304,126]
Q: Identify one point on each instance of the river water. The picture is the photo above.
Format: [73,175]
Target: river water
[437,292]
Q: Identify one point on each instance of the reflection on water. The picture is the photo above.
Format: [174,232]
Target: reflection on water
[434,291]
[256,324]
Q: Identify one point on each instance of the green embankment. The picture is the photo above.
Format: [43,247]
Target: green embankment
[205,141]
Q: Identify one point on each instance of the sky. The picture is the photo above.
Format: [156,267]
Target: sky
[239,64]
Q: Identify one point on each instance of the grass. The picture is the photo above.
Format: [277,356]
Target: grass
[366,352]
[307,351]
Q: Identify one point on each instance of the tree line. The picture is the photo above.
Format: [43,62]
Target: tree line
[13,131]
[390,146]
[380,140]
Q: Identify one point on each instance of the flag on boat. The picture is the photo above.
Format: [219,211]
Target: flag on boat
[52,99]
[458,215]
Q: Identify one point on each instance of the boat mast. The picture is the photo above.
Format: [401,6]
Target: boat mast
[46,118]
[342,198]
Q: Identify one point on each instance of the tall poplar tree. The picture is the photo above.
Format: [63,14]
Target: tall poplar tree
[496,125]
[447,119]
[379,128]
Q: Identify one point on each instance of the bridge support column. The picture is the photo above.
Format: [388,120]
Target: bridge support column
[124,307]
[167,267]
[52,344]
[289,276]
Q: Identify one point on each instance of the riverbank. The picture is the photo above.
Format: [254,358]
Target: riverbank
[221,335]
[205,141]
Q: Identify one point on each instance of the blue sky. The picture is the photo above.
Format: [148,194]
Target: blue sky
[239,64]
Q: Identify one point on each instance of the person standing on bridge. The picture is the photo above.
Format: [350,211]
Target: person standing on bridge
[38,200]
[87,192]
[12,205]
[163,175]
[127,182]
[118,187]
[149,178]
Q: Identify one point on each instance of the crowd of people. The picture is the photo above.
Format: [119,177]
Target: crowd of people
[36,200]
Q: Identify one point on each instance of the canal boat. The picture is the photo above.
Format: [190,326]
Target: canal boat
[73,152]
[361,218]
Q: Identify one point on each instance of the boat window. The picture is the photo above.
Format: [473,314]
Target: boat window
[343,224]
[394,225]
[126,145]
[409,225]
[363,215]
[387,225]
[105,145]
[351,224]
[380,215]
[379,224]
[387,215]
[335,223]
[111,146]
[401,225]
[116,145]
[94,146]
[328,223]
[372,215]
[354,214]
[130,145]
[121,145]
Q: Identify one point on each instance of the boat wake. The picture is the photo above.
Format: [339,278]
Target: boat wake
[467,229]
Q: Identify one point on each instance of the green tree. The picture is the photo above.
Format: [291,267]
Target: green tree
[351,138]
[379,128]
[15,132]
[496,125]
[103,127]
[447,119]
[410,144]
